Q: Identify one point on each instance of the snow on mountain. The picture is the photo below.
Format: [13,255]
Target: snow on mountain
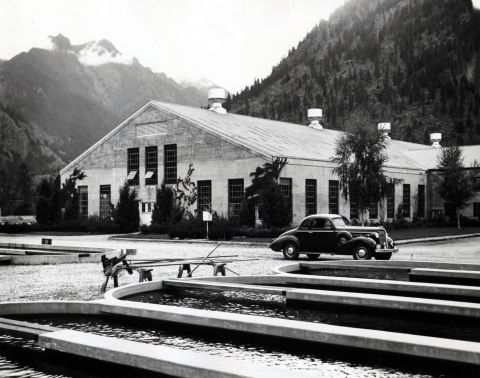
[93,53]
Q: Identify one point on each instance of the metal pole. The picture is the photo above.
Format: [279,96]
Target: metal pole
[190,274]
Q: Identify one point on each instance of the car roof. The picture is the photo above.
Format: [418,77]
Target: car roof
[329,216]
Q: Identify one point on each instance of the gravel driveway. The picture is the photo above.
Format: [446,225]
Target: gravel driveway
[83,281]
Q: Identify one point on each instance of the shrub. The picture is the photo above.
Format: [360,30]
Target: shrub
[95,224]
[160,229]
[192,228]
[17,228]
[251,232]
[220,229]
[469,222]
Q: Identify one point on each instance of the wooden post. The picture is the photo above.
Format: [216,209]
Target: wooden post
[219,268]
[183,267]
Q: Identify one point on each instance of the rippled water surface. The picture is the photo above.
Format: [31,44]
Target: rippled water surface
[322,361]
[20,358]
[276,307]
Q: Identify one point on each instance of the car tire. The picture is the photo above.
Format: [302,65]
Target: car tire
[290,251]
[383,256]
[312,256]
[362,252]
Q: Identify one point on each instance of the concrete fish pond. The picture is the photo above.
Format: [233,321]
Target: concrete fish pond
[292,323]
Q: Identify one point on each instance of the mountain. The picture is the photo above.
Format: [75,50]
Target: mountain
[65,99]
[414,63]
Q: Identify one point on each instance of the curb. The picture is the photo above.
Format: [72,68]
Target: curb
[265,244]
[438,238]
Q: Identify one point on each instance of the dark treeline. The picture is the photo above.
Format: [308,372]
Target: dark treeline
[414,63]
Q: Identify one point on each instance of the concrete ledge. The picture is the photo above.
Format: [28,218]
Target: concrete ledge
[133,288]
[420,346]
[5,259]
[351,283]
[58,259]
[49,307]
[386,301]
[156,358]
[33,254]
[24,329]
[297,266]
[446,273]
[58,248]
[339,265]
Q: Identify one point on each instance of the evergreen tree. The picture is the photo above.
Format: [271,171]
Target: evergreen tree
[228,103]
[126,213]
[4,190]
[24,190]
[265,193]
[454,184]
[68,196]
[42,206]
[164,209]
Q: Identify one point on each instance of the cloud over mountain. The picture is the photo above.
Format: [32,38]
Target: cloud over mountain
[93,53]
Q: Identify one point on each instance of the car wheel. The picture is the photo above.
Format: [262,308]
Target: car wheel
[362,252]
[383,256]
[290,251]
[312,256]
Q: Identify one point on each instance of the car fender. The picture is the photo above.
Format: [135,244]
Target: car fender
[277,244]
[347,248]
[347,234]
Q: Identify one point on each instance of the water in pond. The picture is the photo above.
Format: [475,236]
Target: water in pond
[276,307]
[20,358]
[324,361]
[399,274]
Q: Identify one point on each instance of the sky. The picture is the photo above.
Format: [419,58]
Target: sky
[230,42]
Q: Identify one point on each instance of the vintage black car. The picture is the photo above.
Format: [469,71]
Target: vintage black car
[330,233]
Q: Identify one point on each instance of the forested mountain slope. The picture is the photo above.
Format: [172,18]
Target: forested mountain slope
[67,98]
[414,63]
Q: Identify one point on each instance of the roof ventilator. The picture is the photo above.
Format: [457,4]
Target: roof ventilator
[314,115]
[216,97]
[386,128]
[435,138]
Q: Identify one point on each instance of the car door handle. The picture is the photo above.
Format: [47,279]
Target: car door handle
[310,232]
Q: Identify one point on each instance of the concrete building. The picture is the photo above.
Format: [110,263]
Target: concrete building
[161,140]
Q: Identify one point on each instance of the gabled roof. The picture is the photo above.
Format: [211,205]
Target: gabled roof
[273,138]
[276,138]
[427,156]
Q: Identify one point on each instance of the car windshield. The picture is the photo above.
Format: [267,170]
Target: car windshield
[339,222]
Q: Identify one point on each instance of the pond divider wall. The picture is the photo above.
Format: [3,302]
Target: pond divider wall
[37,254]
[189,364]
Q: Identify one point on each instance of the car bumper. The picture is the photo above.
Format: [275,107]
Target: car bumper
[386,250]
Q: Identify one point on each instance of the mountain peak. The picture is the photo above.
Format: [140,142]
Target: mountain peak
[60,42]
[93,53]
